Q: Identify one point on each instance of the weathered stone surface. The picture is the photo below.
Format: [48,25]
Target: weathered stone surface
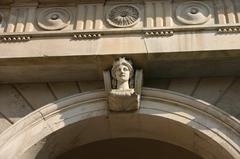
[157,83]
[37,95]
[12,104]
[64,89]
[230,100]
[212,89]
[183,85]
[4,123]
[123,102]
[90,85]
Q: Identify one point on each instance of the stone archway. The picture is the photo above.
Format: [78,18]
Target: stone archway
[165,116]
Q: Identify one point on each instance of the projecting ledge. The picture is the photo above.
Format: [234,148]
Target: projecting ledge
[95,43]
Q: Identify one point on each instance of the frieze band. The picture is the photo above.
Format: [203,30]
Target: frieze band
[92,21]
[151,14]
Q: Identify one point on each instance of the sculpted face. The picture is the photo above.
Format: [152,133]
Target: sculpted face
[122,73]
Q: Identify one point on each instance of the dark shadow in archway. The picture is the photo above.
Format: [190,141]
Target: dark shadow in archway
[128,148]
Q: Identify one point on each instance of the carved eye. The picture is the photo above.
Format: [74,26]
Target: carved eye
[125,69]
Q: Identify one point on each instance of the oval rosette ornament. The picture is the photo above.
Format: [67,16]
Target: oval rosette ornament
[123,16]
[193,12]
[54,18]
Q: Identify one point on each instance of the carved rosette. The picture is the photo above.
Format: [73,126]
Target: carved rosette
[193,13]
[123,16]
[54,18]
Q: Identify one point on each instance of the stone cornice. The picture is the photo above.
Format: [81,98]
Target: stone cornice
[98,33]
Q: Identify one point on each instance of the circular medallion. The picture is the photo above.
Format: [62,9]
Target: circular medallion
[123,16]
[193,12]
[54,18]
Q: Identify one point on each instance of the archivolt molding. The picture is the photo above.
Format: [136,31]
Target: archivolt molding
[217,133]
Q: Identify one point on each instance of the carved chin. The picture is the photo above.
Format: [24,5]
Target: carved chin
[122,79]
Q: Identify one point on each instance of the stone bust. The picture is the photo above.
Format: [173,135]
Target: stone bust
[122,73]
[123,85]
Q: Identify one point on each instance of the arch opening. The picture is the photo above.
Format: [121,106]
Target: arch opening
[134,148]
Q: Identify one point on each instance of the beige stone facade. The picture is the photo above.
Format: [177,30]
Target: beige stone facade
[57,89]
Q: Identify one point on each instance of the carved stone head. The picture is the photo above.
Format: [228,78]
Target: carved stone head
[124,86]
[122,71]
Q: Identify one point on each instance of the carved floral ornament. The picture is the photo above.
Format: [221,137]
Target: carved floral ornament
[123,85]
[123,16]
[54,18]
[193,12]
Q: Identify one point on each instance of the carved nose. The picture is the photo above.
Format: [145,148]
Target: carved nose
[121,70]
